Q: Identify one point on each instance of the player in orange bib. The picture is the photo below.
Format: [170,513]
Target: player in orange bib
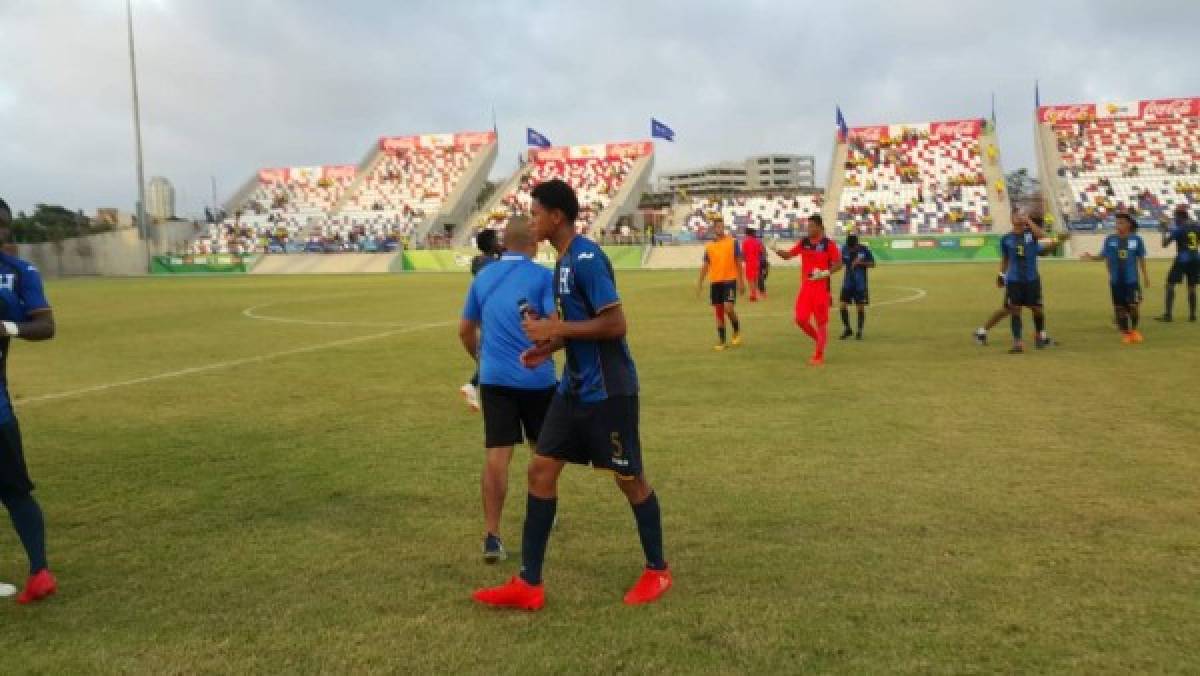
[723,268]
[819,258]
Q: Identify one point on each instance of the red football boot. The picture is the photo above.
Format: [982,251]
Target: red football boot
[817,360]
[651,585]
[40,585]
[516,593]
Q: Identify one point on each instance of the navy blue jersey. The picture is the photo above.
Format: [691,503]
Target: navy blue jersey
[494,303]
[856,276]
[584,286]
[21,294]
[1187,242]
[1123,255]
[1022,254]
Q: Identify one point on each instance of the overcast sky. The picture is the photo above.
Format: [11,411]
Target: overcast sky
[229,86]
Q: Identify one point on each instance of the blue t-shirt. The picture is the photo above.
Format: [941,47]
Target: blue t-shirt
[856,277]
[21,294]
[494,301]
[585,285]
[1022,253]
[1187,242]
[1123,255]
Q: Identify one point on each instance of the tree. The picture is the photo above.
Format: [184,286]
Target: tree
[52,223]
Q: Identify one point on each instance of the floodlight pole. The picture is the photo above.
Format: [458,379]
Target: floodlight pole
[137,127]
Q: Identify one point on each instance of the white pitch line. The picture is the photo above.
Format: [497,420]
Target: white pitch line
[227,364]
[252,313]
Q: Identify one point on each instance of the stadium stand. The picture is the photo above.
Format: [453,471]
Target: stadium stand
[779,214]
[1140,156]
[404,187]
[918,178]
[608,177]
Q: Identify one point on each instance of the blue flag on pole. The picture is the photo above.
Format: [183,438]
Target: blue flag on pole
[840,120]
[660,130]
[535,139]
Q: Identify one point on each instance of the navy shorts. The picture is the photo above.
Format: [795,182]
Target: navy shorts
[1126,294]
[856,295]
[14,477]
[1189,271]
[604,434]
[1024,294]
[722,292]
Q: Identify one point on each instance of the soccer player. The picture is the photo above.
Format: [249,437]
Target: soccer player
[753,254]
[1125,254]
[819,258]
[723,269]
[488,243]
[1021,281]
[1186,237]
[593,418]
[514,398]
[856,259]
[24,313]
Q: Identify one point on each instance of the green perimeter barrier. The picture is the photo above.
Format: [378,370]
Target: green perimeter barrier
[444,260]
[202,264]
[928,248]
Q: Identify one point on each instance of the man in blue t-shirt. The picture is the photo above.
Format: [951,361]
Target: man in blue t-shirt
[856,260]
[1021,281]
[1185,235]
[514,398]
[593,418]
[1125,254]
[488,242]
[24,313]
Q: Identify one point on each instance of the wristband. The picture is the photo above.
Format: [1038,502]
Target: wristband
[11,329]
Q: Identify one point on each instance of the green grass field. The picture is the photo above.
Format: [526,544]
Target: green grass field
[257,495]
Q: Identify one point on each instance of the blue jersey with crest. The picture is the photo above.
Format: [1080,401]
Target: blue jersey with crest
[1022,253]
[856,276]
[21,294]
[1123,254]
[1187,242]
[584,285]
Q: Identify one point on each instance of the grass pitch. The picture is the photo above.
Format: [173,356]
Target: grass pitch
[298,491]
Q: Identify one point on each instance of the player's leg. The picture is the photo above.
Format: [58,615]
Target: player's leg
[844,311]
[1135,312]
[752,281]
[1193,276]
[804,314]
[734,322]
[1017,327]
[16,494]
[495,488]
[717,299]
[861,306]
[1174,276]
[821,315]
[981,333]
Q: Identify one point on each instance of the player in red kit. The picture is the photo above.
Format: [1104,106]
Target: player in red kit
[819,258]
[753,253]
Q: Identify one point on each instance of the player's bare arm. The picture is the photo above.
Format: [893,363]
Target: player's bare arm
[741,273]
[41,326]
[1145,275]
[468,334]
[785,255]
[703,275]
[608,324]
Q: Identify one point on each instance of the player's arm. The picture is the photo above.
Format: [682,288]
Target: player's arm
[703,274]
[468,335]
[1142,264]
[39,326]
[608,324]
[785,255]
[1054,245]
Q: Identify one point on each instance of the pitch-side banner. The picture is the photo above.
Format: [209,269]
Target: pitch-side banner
[631,149]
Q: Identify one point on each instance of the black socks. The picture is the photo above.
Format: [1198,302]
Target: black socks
[539,519]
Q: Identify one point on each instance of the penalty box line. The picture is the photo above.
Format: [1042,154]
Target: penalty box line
[216,366]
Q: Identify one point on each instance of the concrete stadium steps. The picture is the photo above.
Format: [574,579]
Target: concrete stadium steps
[456,209]
[627,199]
[462,236]
[836,182]
[325,264]
[998,204]
[1056,194]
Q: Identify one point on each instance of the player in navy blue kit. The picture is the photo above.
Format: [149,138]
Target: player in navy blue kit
[24,313]
[1125,254]
[856,259]
[1021,281]
[1185,235]
[593,418]
[515,398]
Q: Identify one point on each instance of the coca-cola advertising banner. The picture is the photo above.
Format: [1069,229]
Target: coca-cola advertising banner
[956,129]
[1156,108]
[463,140]
[629,149]
[272,175]
[339,171]
[873,134]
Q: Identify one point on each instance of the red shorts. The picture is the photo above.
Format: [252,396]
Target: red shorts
[813,304]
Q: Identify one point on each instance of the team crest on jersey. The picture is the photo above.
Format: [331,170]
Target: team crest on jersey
[8,281]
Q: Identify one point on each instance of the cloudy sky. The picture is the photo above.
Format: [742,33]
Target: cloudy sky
[229,86]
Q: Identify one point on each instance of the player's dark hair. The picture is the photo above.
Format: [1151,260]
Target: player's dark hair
[852,240]
[1037,219]
[486,241]
[1128,219]
[816,218]
[556,194]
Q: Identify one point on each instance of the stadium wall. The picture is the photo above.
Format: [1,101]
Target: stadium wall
[459,260]
[117,253]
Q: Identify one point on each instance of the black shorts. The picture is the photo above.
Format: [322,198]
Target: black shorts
[856,295]
[722,292]
[506,410]
[14,477]
[603,435]
[1124,295]
[1024,294]
[1181,271]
